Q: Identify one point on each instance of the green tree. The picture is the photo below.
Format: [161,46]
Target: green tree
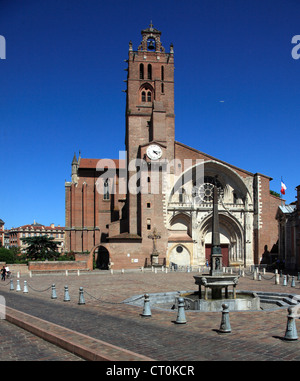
[7,256]
[40,248]
[274,193]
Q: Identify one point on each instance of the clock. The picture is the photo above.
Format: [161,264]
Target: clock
[154,152]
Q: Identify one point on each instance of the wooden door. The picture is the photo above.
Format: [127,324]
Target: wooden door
[224,250]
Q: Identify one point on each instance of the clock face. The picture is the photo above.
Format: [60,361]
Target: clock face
[154,152]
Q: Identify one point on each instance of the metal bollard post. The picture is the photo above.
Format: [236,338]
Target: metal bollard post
[18,285]
[284,281]
[53,292]
[291,330]
[11,285]
[81,297]
[146,310]
[225,323]
[277,280]
[25,290]
[259,276]
[293,284]
[66,294]
[181,314]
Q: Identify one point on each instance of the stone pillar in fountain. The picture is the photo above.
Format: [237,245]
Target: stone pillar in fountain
[216,254]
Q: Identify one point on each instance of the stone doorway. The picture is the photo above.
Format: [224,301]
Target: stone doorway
[102,261]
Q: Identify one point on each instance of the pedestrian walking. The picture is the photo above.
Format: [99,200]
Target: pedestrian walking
[3,273]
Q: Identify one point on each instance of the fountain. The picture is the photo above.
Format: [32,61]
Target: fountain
[216,281]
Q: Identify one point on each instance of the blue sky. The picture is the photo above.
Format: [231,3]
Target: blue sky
[236,89]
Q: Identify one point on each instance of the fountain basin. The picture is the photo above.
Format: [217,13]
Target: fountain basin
[241,301]
[166,301]
[215,283]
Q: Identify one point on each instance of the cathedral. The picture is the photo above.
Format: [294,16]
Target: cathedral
[153,205]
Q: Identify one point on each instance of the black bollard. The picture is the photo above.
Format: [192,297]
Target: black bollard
[53,292]
[146,309]
[225,323]
[181,314]
[291,330]
[66,294]
[81,297]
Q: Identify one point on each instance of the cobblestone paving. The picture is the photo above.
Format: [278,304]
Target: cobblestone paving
[19,345]
[255,335]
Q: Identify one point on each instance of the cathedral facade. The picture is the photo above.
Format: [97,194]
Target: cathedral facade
[154,203]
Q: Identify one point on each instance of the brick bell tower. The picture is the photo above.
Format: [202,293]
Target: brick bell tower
[149,131]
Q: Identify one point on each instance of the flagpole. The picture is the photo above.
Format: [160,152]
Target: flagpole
[281,193]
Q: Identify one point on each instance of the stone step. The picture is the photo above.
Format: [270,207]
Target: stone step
[282,300]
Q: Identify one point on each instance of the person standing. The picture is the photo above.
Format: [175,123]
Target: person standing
[3,273]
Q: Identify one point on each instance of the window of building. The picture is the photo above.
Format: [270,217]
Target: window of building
[146,96]
[148,205]
[149,71]
[146,93]
[106,190]
[141,71]
[162,73]
[148,224]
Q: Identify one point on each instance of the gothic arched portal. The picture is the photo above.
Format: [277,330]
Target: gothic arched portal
[231,239]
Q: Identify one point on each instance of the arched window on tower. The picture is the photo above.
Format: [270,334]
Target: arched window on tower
[146,93]
[149,71]
[162,73]
[106,190]
[141,71]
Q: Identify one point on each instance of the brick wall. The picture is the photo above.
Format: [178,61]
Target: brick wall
[268,226]
[57,266]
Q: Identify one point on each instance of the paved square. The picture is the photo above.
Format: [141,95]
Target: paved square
[256,335]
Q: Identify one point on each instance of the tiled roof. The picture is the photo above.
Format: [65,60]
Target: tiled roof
[39,227]
[101,163]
